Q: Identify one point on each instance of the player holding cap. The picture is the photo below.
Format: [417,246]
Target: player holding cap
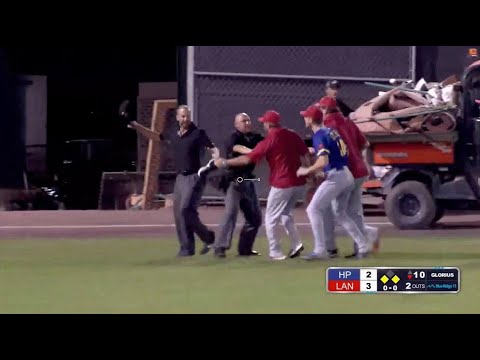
[332,159]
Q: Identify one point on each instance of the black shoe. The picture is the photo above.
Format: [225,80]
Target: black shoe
[251,253]
[220,253]
[332,254]
[296,252]
[184,254]
[208,244]
[351,256]
[205,250]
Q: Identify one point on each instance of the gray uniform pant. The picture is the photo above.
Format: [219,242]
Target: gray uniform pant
[280,206]
[354,211]
[242,197]
[187,195]
[337,186]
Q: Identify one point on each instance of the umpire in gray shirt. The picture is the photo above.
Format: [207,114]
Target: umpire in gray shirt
[240,194]
[189,144]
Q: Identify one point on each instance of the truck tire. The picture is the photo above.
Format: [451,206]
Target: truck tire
[410,205]
[439,214]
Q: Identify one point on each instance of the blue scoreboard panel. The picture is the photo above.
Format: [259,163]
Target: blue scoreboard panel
[400,280]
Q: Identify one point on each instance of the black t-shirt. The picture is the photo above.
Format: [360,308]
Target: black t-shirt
[188,149]
[249,140]
[344,108]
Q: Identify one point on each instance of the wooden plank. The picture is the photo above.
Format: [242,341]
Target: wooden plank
[154,155]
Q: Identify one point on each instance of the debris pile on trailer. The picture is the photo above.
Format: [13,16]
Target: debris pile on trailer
[410,108]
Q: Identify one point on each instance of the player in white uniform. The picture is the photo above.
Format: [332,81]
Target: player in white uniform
[332,159]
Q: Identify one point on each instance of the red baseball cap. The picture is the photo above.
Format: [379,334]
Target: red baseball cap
[313,112]
[270,116]
[327,102]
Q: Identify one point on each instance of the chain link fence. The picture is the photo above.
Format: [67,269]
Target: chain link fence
[226,80]
[222,98]
[329,61]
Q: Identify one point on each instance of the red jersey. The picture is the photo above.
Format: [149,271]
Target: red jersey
[282,149]
[354,139]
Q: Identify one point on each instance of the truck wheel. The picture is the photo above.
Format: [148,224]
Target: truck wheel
[410,205]
[439,214]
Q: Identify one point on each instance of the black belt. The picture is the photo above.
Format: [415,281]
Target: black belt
[186,172]
[341,168]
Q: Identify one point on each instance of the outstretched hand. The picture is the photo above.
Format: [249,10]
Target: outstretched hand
[215,153]
[132,124]
[219,163]
[303,171]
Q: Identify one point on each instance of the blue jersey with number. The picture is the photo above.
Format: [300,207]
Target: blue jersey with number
[327,141]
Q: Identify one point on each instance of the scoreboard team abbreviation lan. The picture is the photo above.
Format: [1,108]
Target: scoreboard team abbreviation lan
[400,280]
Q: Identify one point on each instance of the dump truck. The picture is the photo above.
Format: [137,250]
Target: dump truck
[425,148]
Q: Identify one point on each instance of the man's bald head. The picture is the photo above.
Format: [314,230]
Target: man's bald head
[184,116]
[241,117]
[243,123]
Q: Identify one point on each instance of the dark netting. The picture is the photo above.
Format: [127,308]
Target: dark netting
[347,61]
[219,99]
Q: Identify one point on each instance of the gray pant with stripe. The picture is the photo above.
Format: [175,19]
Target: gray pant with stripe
[242,197]
[187,195]
[337,186]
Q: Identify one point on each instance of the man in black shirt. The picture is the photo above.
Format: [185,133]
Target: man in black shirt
[189,144]
[332,88]
[240,195]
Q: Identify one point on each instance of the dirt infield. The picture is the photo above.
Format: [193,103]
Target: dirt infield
[160,223]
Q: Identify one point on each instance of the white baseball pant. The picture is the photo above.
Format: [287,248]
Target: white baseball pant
[354,211]
[337,186]
[280,206]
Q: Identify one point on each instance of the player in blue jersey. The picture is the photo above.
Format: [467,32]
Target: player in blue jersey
[331,164]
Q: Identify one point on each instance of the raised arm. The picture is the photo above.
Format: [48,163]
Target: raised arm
[149,134]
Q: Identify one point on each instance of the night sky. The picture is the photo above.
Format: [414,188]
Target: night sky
[86,86]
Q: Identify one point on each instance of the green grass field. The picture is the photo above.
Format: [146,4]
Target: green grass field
[144,276]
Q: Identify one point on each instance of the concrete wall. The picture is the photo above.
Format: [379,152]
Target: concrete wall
[36,123]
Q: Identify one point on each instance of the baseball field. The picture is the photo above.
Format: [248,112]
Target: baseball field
[124,262]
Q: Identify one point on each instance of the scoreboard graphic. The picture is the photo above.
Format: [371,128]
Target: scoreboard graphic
[400,280]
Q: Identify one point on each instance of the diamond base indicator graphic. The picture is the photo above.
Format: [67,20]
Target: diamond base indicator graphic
[401,280]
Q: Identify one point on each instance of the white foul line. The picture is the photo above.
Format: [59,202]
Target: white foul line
[133,226]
